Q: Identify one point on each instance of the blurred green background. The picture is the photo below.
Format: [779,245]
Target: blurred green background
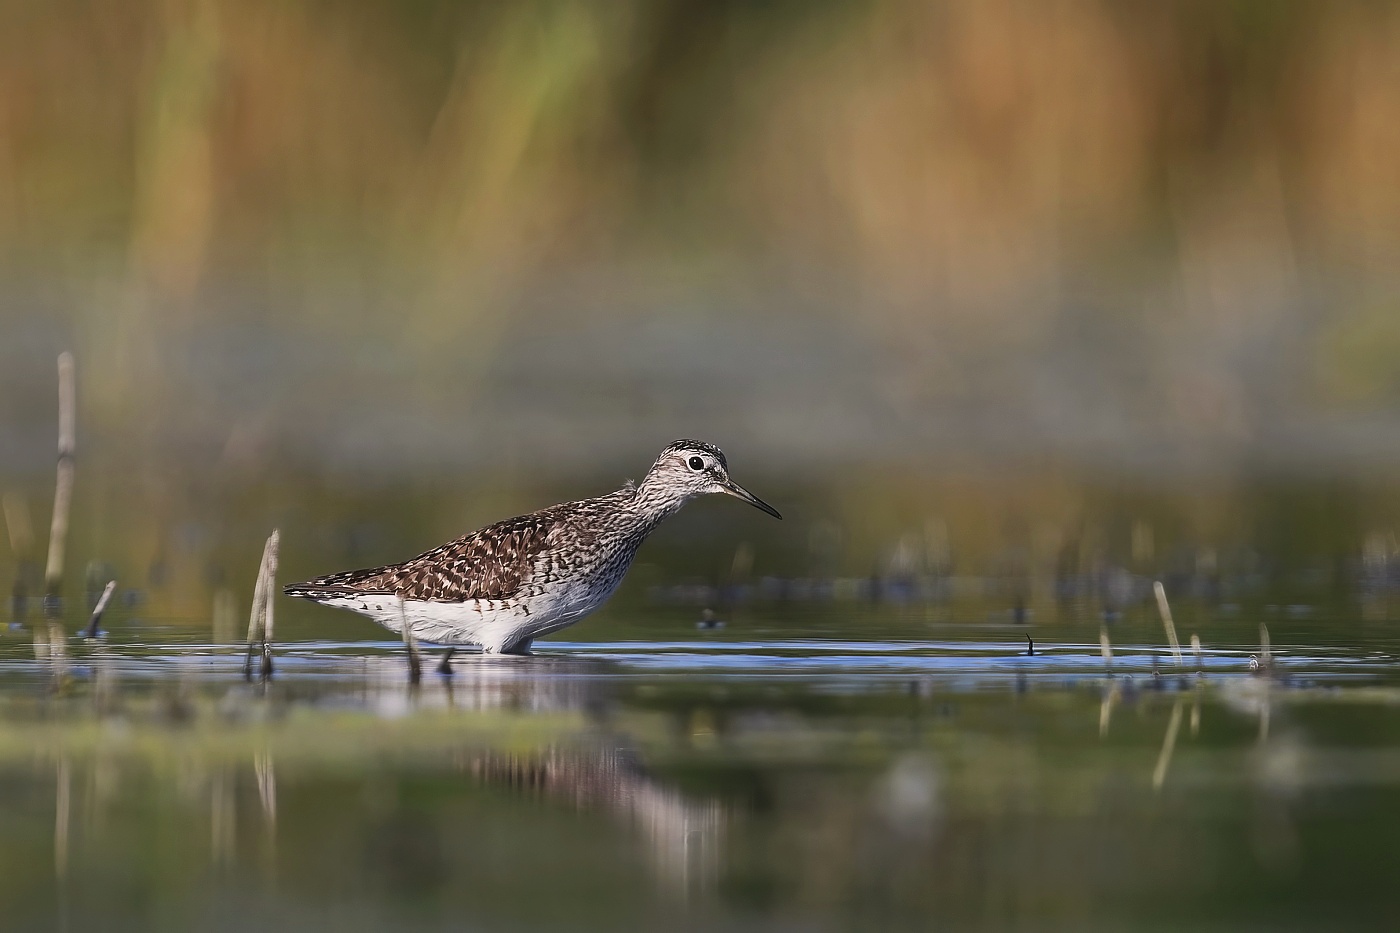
[1075,282]
[1011,307]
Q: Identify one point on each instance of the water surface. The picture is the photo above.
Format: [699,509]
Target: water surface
[729,779]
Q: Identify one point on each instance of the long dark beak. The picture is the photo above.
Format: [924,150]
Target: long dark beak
[739,492]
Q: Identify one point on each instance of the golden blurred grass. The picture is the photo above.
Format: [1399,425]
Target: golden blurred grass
[979,152]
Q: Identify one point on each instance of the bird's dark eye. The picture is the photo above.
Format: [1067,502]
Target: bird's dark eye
[697,464]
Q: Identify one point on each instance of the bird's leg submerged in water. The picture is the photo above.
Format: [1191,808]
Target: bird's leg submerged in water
[445,666]
[415,664]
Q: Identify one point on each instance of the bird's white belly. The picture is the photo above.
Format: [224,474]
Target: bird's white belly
[494,624]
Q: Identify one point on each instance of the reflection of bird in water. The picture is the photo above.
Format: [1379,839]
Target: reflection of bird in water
[537,684]
[685,834]
[509,583]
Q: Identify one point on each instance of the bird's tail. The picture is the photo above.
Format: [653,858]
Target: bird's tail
[331,586]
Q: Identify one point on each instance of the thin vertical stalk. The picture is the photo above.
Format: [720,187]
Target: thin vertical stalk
[100,608]
[262,600]
[1167,623]
[63,487]
[269,595]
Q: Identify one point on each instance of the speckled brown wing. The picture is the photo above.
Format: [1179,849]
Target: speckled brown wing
[494,562]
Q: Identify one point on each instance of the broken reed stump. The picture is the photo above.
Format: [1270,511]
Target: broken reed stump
[271,595]
[255,616]
[63,487]
[259,620]
[100,608]
[1167,623]
[51,646]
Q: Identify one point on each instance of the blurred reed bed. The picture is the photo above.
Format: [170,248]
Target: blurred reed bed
[965,167]
[285,238]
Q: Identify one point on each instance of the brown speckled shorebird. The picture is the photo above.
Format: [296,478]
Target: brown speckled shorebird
[509,583]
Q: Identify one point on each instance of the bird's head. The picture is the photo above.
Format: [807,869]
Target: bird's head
[693,468]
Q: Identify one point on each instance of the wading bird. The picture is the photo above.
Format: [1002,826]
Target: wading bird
[509,583]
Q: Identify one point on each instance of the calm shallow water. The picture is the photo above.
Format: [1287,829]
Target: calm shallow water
[703,780]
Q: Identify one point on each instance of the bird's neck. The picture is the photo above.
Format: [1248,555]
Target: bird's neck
[653,502]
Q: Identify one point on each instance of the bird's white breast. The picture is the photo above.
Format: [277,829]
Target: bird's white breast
[493,624]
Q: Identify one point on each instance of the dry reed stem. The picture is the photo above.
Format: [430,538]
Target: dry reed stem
[57,654]
[100,608]
[255,615]
[1167,623]
[63,487]
[269,595]
[261,600]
